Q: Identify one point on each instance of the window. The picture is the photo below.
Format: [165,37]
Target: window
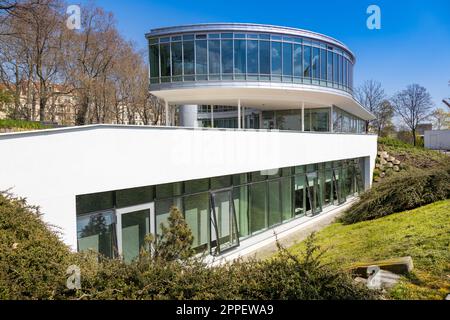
[287,59]
[299,200]
[252,56]
[274,203]
[162,212]
[335,68]
[227,56]
[289,120]
[168,190]
[165,60]
[330,66]
[154,61]
[177,59]
[315,63]
[286,198]
[323,64]
[194,186]
[258,207]
[201,63]
[135,196]
[188,53]
[240,66]
[214,57]
[196,214]
[94,202]
[298,71]
[307,61]
[97,232]
[276,58]
[240,198]
[220,182]
[341,72]
[320,120]
[264,56]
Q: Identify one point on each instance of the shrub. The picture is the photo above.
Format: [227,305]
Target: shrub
[404,191]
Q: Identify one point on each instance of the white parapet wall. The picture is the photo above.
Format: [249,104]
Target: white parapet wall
[437,139]
[51,167]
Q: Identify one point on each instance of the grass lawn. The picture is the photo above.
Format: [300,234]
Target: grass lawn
[422,233]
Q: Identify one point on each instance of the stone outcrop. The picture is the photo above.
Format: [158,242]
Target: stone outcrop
[386,165]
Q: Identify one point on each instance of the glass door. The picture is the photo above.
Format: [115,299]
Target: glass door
[224,224]
[133,225]
[313,196]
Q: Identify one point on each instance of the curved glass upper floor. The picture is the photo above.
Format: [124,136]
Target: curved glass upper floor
[247,52]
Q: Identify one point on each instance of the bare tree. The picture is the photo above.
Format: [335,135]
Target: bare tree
[371,95]
[440,119]
[413,105]
[384,114]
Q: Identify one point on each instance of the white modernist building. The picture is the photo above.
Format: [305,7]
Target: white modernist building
[270,134]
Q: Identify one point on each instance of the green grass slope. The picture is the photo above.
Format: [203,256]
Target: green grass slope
[422,233]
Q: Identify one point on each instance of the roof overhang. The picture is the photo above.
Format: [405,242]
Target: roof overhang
[264,96]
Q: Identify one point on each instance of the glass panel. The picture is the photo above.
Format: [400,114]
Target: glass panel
[227,56]
[154,61]
[177,58]
[323,64]
[135,196]
[220,182]
[299,203]
[240,65]
[162,212]
[97,232]
[214,57]
[315,63]
[287,59]
[286,198]
[264,57]
[240,197]
[274,203]
[194,186]
[330,66]
[252,56]
[135,226]
[168,190]
[258,176]
[165,59]
[335,68]
[328,188]
[289,120]
[258,207]
[224,220]
[200,53]
[94,202]
[340,70]
[298,70]
[320,120]
[197,217]
[276,57]
[188,54]
[239,179]
[306,61]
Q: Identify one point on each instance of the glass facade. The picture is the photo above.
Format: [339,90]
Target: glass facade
[249,57]
[220,211]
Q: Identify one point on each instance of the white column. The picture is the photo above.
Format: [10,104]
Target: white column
[167,112]
[212,116]
[188,115]
[331,119]
[303,116]
[239,113]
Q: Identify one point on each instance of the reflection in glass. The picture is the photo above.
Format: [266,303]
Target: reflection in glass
[96,232]
[214,56]
[135,226]
[306,61]
[239,57]
[188,54]
[154,61]
[165,60]
[315,63]
[200,53]
[298,70]
[258,207]
[252,56]
[287,59]
[276,57]
[197,217]
[227,56]
[177,58]
[274,203]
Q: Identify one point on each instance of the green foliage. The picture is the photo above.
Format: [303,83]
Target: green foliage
[422,233]
[403,191]
[33,263]
[175,241]
[21,124]
[5,97]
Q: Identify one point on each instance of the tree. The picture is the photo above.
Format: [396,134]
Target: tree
[385,113]
[441,119]
[413,105]
[371,95]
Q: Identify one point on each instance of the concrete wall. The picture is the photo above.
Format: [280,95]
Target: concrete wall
[51,167]
[437,139]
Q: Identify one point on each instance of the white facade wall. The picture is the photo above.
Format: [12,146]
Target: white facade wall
[51,167]
[437,139]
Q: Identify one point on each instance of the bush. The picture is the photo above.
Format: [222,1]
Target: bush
[404,191]
[21,124]
[33,264]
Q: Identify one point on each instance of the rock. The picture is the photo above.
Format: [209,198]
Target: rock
[385,155]
[396,162]
[382,175]
[382,279]
[448,297]
[15,246]
[380,153]
[391,159]
[396,168]
[402,265]
[383,162]
[377,165]
[390,165]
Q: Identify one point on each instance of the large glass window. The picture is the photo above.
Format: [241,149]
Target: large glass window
[299,195]
[289,120]
[298,70]
[287,59]
[315,63]
[274,203]
[286,198]
[214,56]
[306,61]
[196,212]
[154,61]
[94,202]
[240,197]
[323,64]
[320,119]
[240,65]
[135,196]
[264,57]
[258,207]
[276,58]
[335,68]
[201,63]
[97,232]
[330,66]
[177,58]
[252,56]
[188,54]
[165,60]
[227,56]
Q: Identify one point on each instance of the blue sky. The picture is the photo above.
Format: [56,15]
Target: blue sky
[413,45]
